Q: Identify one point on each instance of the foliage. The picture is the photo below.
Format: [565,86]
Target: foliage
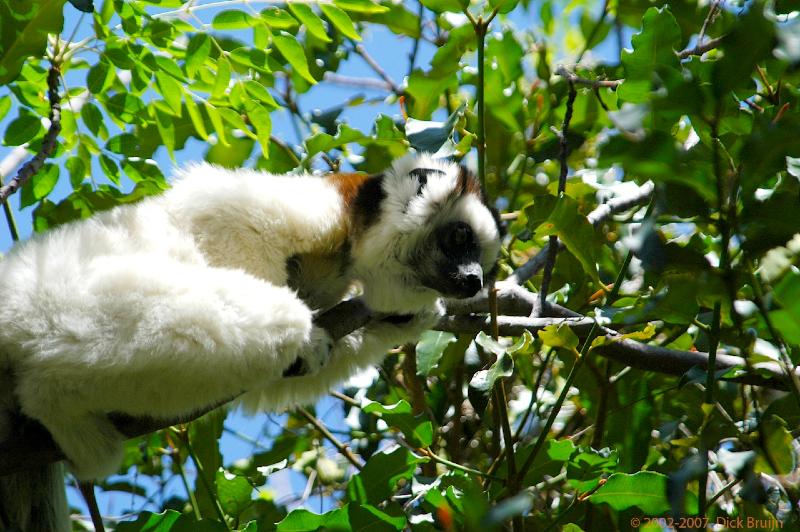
[707,109]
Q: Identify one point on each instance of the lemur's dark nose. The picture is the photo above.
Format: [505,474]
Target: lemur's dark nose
[469,279]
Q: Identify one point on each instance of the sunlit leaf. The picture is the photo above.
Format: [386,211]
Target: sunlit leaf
[340,20]
[310,20]
[645,490]
[289,48]
[232,19]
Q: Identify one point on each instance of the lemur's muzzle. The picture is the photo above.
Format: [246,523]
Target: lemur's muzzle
[468,280]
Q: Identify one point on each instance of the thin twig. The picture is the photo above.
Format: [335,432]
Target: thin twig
[712,11]
[412,57]
[361,83]
[552,248]
[700,49]
[361,51]
[48,142]
[593,83]
[342,448]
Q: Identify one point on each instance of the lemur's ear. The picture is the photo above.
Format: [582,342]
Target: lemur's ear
[421,175]
[468,184]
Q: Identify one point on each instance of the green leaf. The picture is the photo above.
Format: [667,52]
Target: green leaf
[440,6]
[251,58]
[232,19]
[196,118]
[574,230]
[232,155]
[559,336]
[171,90]
[77,171]
[197,52]
[222,79]
[426,90]
[377,480]
[340,21]
[490,345]
[777,442]
[484,380]
[429,136]
[92,117]
[323,142]
[653,50]
[289,48]
[40,185]
[216,121]
[503,6]
[233,492]
[312,22]
[367,517]
[124,144]
[151,522]
[416,429]
[24,26]
[260,119]
[301,520]
[170,66]
[278,19]
[361,6]
[22,129]
[170,520]
[5,105]
[646,490]
[742,52]
[86,6]
[110,168]
[281,159]
[100,77]
[125,107]
[166,129]
[430,348]
[259,92]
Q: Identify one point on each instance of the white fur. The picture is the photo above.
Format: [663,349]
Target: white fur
[180,301]
[381,257]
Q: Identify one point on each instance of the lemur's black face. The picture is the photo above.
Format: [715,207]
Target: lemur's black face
[456,253]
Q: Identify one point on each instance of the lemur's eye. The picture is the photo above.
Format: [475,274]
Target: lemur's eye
[460,236]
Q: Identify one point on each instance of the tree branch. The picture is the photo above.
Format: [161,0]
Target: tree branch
[48,142]
[32,446]
[596,217]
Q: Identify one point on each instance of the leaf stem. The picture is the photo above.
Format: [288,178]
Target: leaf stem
[203,478]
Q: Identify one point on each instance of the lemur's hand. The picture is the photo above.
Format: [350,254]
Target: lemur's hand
[314,357]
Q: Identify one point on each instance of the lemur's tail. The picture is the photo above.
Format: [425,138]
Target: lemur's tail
[34,500]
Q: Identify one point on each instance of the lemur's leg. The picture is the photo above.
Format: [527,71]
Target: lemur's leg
[158,338]
[358,350]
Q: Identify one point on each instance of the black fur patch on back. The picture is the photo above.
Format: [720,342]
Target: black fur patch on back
[422,176]
[368,200]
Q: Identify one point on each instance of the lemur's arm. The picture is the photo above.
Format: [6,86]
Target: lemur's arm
[355,351]
[246,220]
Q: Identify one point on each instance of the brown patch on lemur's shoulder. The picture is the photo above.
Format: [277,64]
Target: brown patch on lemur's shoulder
[467,183]
[348,185]
[362,195]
